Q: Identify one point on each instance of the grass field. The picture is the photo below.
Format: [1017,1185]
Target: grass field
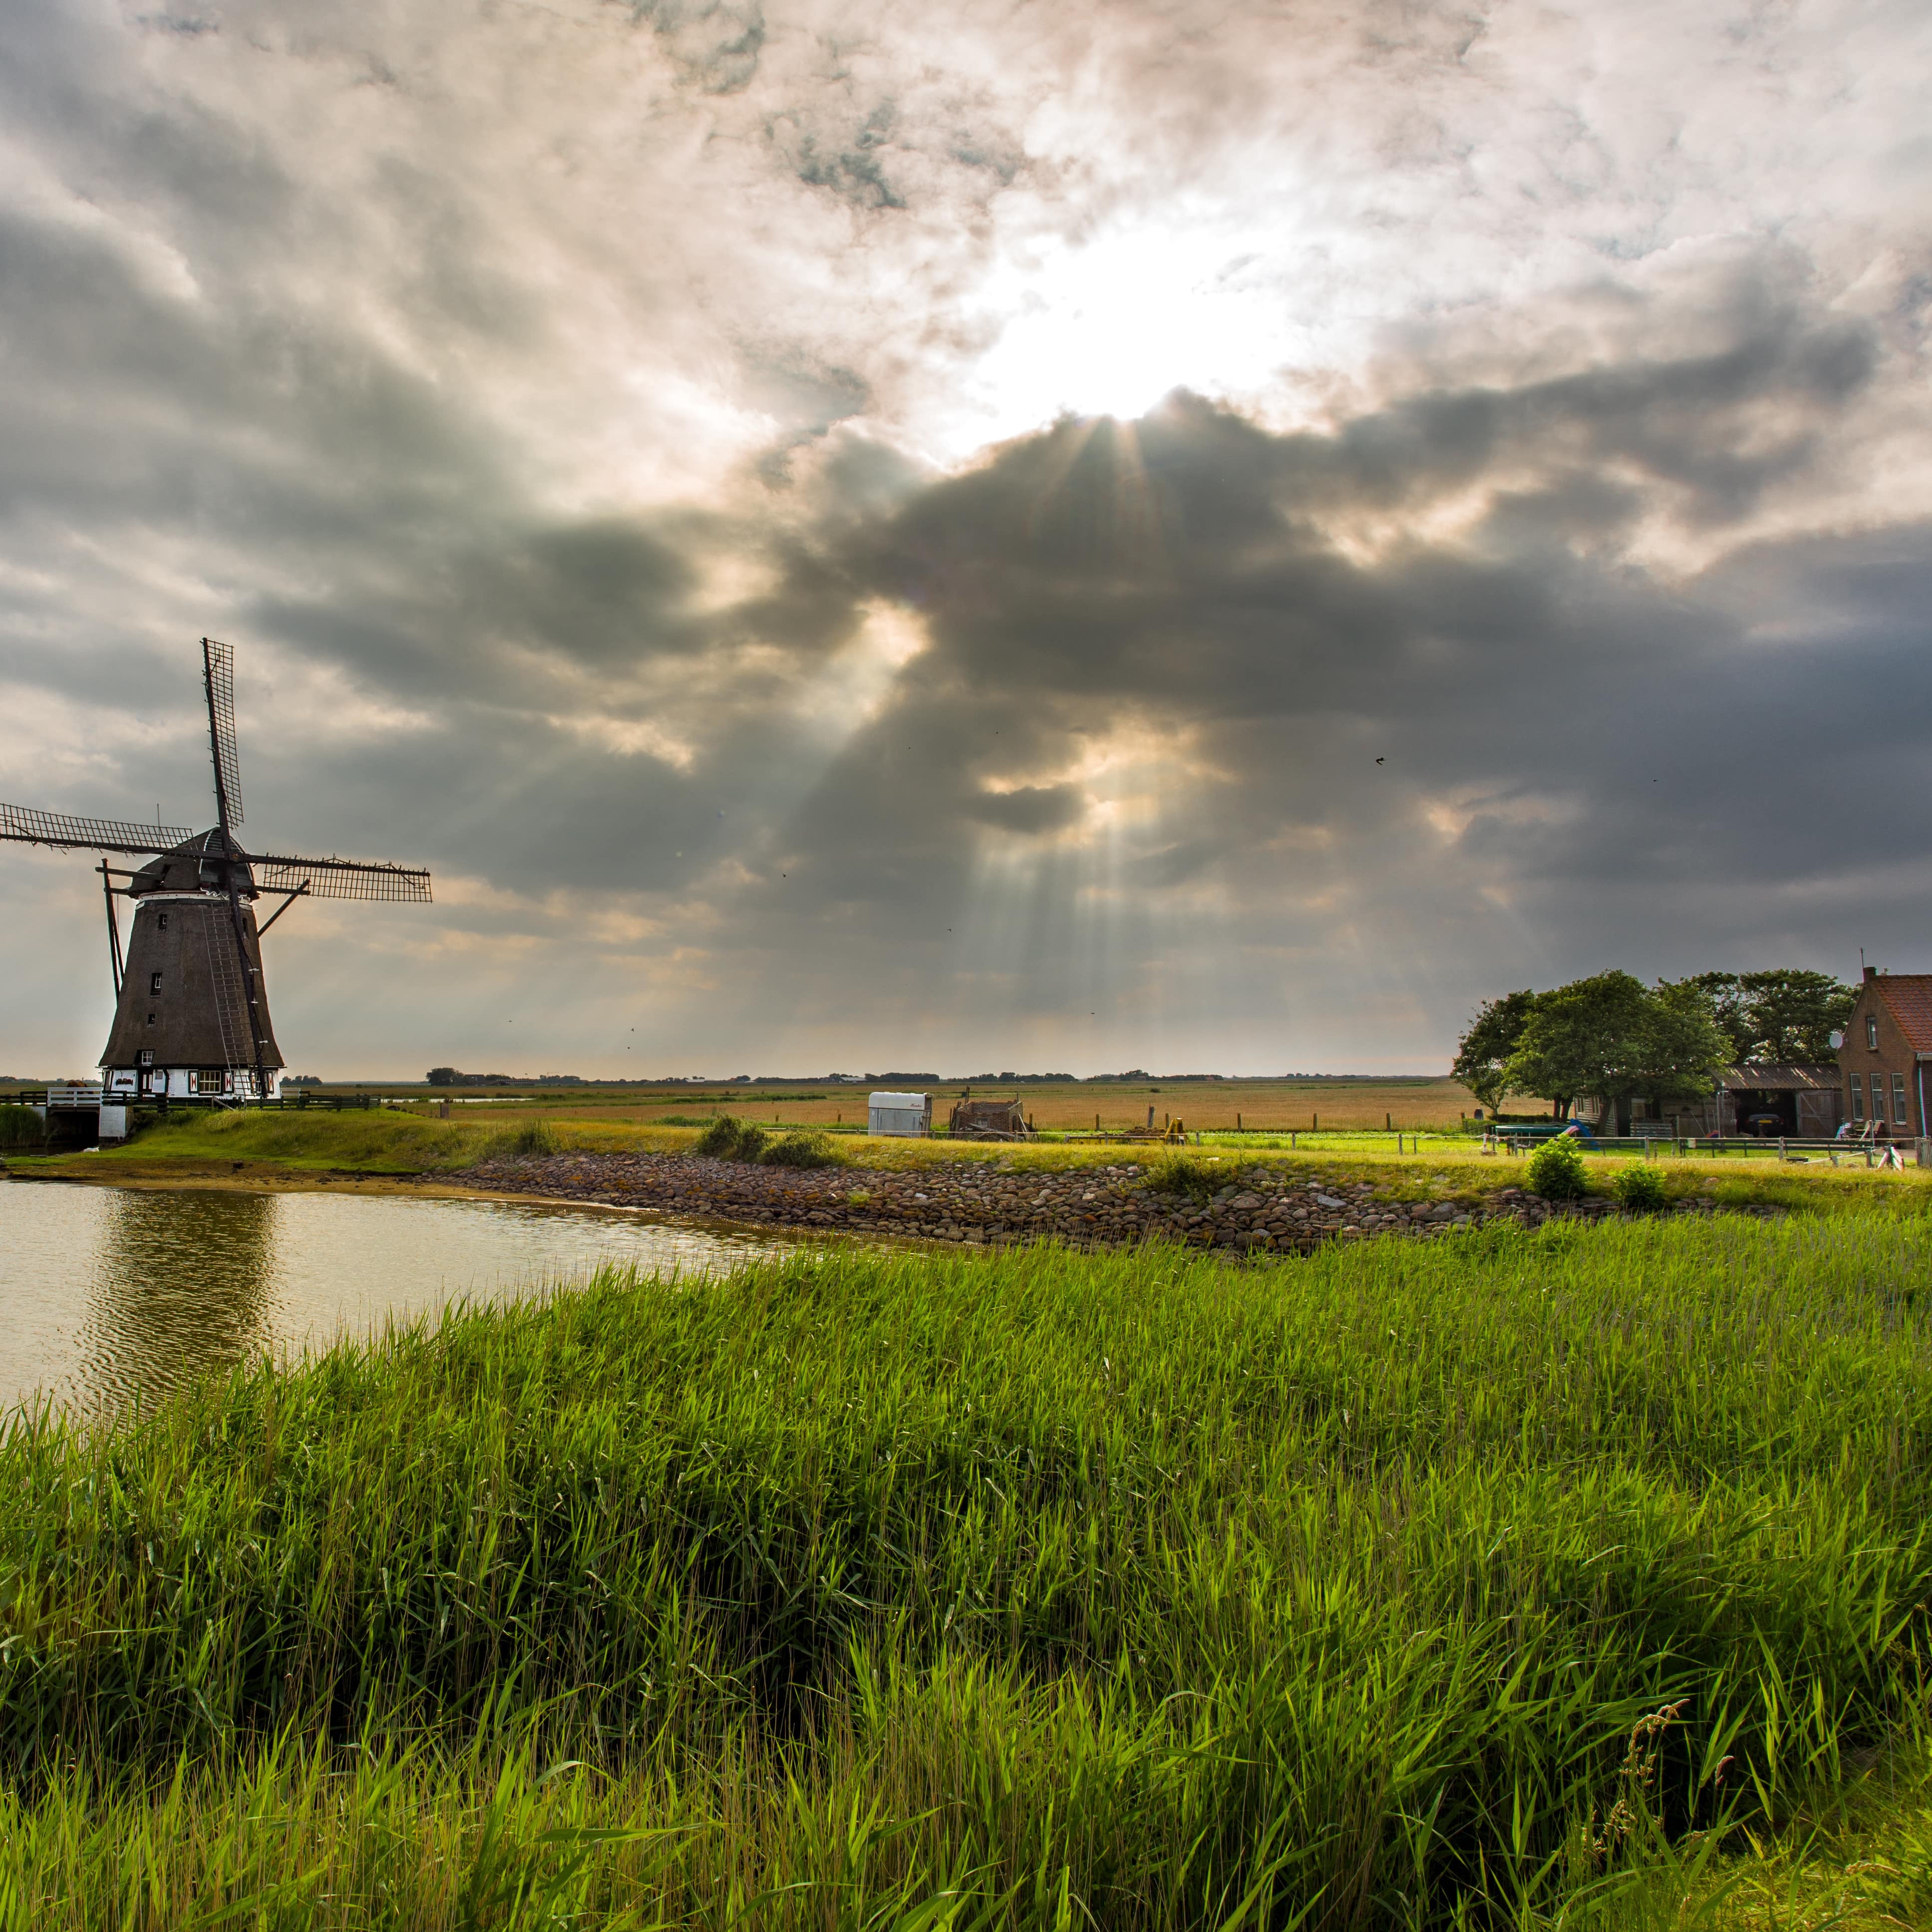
[1270,1105]
[1026,1589]
[1214,1105]
[292,1145]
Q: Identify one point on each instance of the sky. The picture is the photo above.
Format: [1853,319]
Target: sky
[1071,537]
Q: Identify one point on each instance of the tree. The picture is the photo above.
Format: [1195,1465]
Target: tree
[1724,1003]
[1483,1051]
[1608,1039]
[1783,1015]
[1794,1014]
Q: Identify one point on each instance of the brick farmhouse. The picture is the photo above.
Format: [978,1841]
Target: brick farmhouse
[1886,1059]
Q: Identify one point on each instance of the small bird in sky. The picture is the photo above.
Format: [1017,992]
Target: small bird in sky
[1382,761]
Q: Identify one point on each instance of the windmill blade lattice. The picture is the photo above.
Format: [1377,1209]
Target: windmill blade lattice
[98,835]
[217,663]
[341,878]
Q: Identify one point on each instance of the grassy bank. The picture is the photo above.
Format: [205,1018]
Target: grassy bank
[1024,1589]
[391,1143]
[383,1141]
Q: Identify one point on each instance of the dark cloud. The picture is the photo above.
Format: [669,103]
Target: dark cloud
[1028,808]
[574,479]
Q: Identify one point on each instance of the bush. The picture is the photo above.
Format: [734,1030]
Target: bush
[1556,1171]
[729,1139]
[1639,1187]
[20,1129]
[533,1137]
[1183,1174]
[803,1148]
[719,1140]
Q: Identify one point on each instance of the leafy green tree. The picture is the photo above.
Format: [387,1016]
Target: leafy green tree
[1484,1050]
[1794,1014]
[1783,1015]
[1722,998]
[1609,1038]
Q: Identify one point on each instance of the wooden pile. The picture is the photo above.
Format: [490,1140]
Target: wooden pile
[988,1120]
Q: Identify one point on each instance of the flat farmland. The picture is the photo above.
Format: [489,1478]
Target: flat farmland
[1204,1106]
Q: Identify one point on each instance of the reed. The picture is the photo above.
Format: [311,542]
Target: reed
[1023,1588]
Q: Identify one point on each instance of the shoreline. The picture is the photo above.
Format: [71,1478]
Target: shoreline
[1262,1208]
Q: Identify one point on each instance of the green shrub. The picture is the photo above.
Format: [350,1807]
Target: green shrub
[533,1137]
[1639,1187]
[21,1129]
[1556,1171]
[719,1140]
[730,1139]
[802,1147]
[1184,1173]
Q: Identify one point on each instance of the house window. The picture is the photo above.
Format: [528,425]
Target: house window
[1898,1109]
[147,1056]
[1858,1097]
[153,982]
[1871,1031]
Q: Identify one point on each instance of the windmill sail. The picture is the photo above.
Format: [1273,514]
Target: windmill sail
[341,878]
[97,835]
[217,669]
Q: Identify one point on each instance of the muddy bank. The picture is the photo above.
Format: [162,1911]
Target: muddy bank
[975,1202]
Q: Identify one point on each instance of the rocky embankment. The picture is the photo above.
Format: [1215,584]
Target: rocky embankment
[977,1202]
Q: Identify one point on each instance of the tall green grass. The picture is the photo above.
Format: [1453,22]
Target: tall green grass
[1022,1589]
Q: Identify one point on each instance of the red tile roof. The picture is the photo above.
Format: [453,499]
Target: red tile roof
[1910,997]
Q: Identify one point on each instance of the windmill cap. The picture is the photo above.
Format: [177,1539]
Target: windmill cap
[189,867]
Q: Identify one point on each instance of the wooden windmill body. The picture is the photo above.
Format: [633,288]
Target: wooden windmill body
[191,1013]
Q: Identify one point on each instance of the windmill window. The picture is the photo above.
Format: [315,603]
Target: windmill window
[161,922]
[153,982]
[150,1019]
[1871,1031]
[147,1056]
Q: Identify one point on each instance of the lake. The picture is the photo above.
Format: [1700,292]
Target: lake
[111,1295]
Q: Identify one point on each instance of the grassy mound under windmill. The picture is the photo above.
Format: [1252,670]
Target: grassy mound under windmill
[1028,1589]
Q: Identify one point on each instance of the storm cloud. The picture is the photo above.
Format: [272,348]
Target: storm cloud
[1123,542]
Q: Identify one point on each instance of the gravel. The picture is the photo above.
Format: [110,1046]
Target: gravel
[974,1203]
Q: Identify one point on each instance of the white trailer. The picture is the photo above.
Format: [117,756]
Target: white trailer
[904,1114]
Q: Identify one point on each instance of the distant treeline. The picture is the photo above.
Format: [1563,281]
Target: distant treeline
[450,1076]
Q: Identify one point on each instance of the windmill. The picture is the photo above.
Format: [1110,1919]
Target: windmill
[191,1013]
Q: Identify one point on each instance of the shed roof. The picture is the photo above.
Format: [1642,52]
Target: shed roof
[1763,1076]
[1909,996]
